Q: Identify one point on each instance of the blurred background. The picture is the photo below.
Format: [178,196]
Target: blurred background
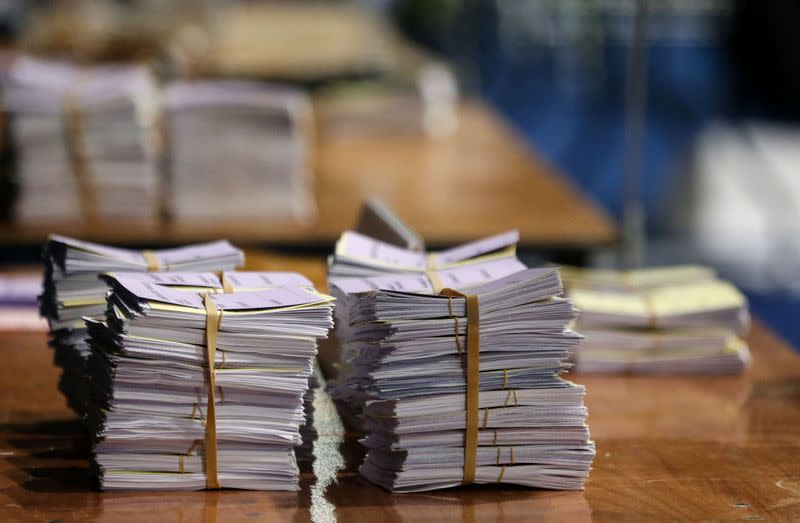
[141,122]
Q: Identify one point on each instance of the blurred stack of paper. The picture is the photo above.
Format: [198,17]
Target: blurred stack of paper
[194,391]
[73,291]
[238,150]
[85,140]
[660,321]
[328,41]
[428,105]
[637,280]
[18,292]
[457,389]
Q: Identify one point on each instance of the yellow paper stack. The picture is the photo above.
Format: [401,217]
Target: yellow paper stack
[666,320]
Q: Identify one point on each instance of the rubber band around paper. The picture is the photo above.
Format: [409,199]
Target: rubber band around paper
[73,125]
[473,381]
[652,318]
[502,473]
[153,265]
[213,319]
[195,444]
[511,393]
[431,271]
[227,288]
[499,455]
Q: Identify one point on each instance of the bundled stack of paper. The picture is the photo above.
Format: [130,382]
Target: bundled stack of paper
[238,150]
[308,431]
[85,140]
[362,256]
[361,264]
[426,103]
[459,388]
[193,391]
[73,291]
[659,321]
[635,280]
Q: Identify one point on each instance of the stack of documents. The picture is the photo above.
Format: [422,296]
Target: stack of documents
[362,264]
[635,280]
[427,104]
[660,321]
[18,303]
[193,391]
[238,150]
[73,291]
[452,391]
[86,142]
[362,256]
[308,431]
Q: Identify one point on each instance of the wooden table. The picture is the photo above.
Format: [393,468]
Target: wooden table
[667,448]
[479,181]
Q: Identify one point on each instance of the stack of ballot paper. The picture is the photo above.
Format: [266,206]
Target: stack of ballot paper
[238,150]
[660,321]
[361,264]
[426,103]
[308,431]
[635,280]
[73,291]
[457,390]
[360,255]
[86,142]
[192,391]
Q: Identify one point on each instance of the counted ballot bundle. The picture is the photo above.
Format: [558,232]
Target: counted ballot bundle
[458,388]
[238,150]
[359,255]
[73,290]
[86,141]
[361,264]
[193,391]
[679,320]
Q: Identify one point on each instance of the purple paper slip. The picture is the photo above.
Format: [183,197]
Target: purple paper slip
[358,247]
[455,277]
[512,279]
[191,253]
[479,273]
[127,255]
[266,299]
[185,279]
[399,282]
[266,280]
[148,291]
[477,248]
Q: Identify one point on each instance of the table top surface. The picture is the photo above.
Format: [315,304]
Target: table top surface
[479,181]
[667,448]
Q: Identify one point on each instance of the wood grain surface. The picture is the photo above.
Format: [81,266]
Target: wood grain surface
[668,448]
[479,181]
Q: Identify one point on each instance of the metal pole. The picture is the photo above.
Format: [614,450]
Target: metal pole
[633,226]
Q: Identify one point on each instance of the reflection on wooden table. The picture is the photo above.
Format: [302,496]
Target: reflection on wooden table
[667,448]
[480,181]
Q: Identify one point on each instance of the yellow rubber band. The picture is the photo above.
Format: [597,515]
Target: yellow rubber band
[473,382]
[213,318]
